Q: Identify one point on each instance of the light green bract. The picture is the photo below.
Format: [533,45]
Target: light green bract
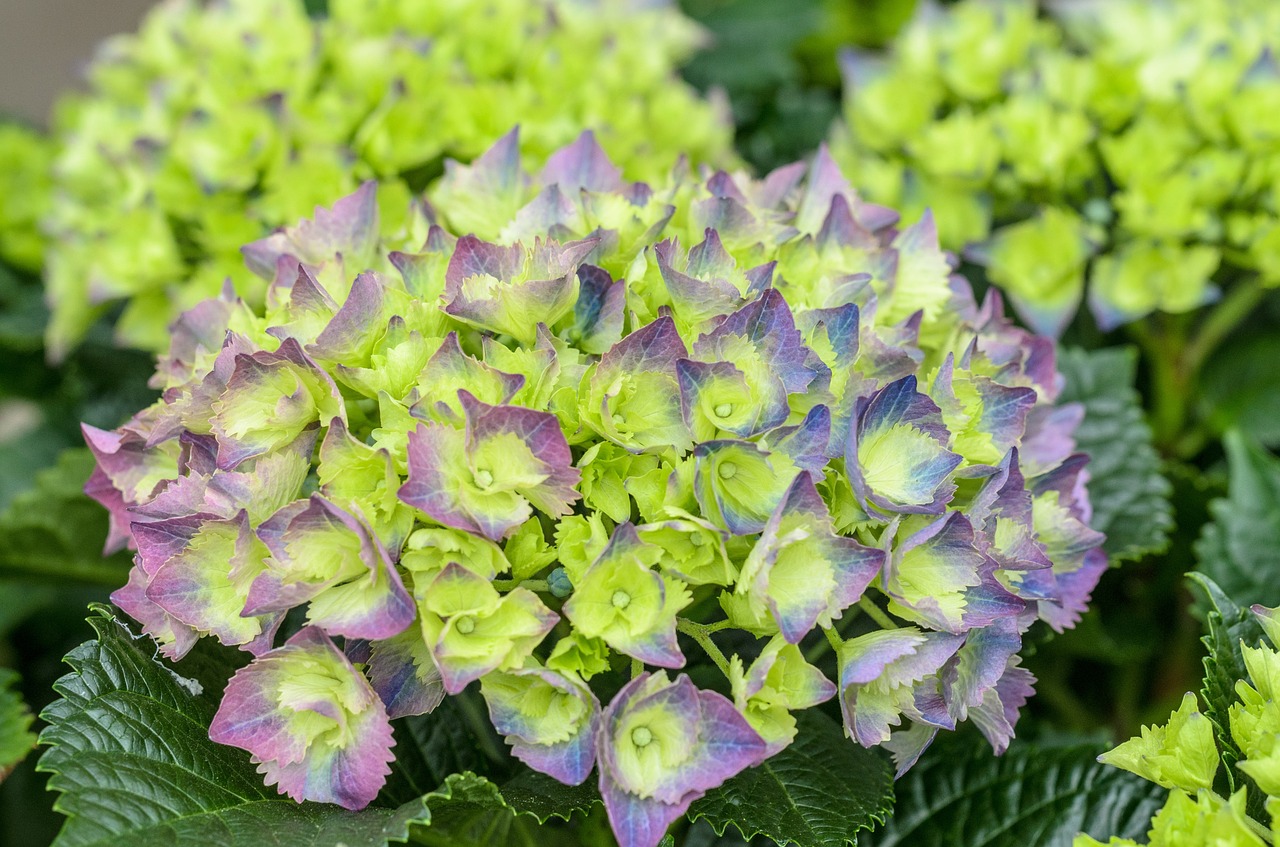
[1066,147]
[573,445]
[219,121]
[1184,757]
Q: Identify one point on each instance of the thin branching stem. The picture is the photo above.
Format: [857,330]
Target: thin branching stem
[701,633]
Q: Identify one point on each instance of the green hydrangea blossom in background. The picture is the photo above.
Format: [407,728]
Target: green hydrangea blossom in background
[24,195]
[218,122]
[1141,139]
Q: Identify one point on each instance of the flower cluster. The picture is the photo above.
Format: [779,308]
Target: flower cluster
[1183,756]
[24,194]
[611,423]
[219,121]
[1147,164]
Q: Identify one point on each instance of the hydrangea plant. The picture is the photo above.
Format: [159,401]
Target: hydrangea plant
[219,121]
[1062,147]
[587,434]
[1183,756]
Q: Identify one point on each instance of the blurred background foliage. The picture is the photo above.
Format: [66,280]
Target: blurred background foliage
[777,63]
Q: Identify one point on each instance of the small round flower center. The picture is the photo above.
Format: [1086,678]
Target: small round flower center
[697,540]
[621,599]
[641,736]
[724,410]
[465,625]
[484,478]
[617,418]
[727,470]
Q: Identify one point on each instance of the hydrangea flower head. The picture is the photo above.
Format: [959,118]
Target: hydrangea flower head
[558,455]
[1079,165]
[217,122]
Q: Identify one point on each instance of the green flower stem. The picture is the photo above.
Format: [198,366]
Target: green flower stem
[1164,355]
[876,613]
[535,585]
[1240,302]
[834,634]
[1176,361]
[702,634]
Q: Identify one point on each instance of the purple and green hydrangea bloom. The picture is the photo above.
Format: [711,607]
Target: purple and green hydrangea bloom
[661,745]
[312,723]
[562,448]
[549,718]
[621,600]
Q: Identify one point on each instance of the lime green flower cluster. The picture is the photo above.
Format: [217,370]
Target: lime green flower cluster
[1131,142]
[24,194]
[218,122]
[1183,757]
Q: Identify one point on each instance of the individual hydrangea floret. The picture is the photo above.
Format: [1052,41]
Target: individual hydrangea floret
[550,719]
[314,726]
[1181,754]
[561,455]
[662,745]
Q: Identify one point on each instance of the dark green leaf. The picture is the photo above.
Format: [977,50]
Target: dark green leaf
[129,752]
[53,531]
[962,794]
[469,811]
[1130,496]
[1226,625]
[1240,549]
[429,748]
[755,55]
[818,792]
[16,737]
[538,795]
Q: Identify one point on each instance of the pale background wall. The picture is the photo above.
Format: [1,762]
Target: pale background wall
[44,43]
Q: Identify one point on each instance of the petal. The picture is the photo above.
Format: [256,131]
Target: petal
[174,638]
[897,457]
[582,165]
[404,675]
